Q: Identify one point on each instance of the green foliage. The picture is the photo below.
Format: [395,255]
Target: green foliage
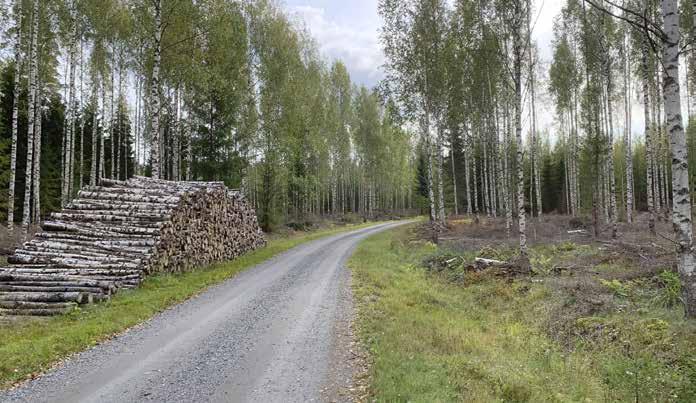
[495,339]
[619,288]
[671,291]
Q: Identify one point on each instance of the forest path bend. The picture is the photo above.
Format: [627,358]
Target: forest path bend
[265,335]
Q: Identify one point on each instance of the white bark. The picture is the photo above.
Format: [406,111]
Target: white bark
[101,169]
[70,116]
[33,67]
[15,113]
[81,180]
[440,188]
[681,207]
[454,175]
[95,109]
[428,150]
[627,136]
[155,92]
[517,71]
[612,177]
[36,174]
[175,138]
[112,131]
[648,141]
[467,174]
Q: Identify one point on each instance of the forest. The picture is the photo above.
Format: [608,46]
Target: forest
[239,92]
[471,76]
[502,215]
[197,90]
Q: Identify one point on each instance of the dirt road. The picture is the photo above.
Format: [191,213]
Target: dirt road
[264,336]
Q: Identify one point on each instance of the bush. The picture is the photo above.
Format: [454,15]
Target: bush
[670,293]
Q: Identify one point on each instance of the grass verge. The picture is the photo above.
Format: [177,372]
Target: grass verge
[485,338]
[30,347]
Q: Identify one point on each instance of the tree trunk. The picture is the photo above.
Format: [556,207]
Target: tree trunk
[101,169]
[440,186]
[612,177]
[454,175]
[81,180]
[15,113]
[70,118]
[627,136]
[535,140]
[429,152]
[33,68]
[37,152]
[95,136]
[517,71]
[467,173]
[648,129]
[155,92]
[681,206]
[112,128]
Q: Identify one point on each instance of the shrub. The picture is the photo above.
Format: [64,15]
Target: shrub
[670,293]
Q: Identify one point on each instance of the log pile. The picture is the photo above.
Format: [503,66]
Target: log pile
[114,234]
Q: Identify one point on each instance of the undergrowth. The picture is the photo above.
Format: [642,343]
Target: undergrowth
[439,331]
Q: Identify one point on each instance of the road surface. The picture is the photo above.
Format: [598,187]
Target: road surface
[266,335]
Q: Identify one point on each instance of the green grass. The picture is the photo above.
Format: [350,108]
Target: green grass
[30,347]
[487,339]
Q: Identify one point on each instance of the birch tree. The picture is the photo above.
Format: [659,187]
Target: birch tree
[681,206]
[15,112]
[31,114]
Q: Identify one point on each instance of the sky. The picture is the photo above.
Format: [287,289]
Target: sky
[349,30]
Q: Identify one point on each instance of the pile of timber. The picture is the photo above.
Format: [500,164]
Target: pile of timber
[112,235]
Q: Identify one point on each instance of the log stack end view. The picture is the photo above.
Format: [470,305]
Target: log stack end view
[114,234]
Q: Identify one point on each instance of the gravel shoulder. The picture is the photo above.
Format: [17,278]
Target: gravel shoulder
[278,332]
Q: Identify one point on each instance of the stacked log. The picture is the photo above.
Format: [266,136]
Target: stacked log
[114,234]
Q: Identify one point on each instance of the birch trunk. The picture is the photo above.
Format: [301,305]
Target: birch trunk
[506,171]
[117,130]
[189,150]
[428,150]
[612,177]
[475,177]
[70,118]
[95,102]
[517,71]
[467,173]
[454,175]
[484,180]
[33,67]
[101,169]
[627,136]
[175,138]
[15,114]
[440,187]
[648,129]
[112,131]
[681,207]
[36,174]
[155,94]
[82,119]
[535,143]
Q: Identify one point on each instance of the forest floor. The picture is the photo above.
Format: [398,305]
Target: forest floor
[31,346]
[598,320]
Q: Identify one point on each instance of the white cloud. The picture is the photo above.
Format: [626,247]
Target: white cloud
[358,47]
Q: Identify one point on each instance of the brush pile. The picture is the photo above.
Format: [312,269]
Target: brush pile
[112,235]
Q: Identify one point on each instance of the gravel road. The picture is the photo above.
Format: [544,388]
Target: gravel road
[266,335]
